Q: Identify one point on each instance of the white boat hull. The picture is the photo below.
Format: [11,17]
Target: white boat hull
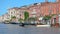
[42,25]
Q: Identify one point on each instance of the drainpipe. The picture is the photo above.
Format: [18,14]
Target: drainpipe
[50,13]
[57,13]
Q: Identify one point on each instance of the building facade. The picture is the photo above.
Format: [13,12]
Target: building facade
[38,10]
[4,17]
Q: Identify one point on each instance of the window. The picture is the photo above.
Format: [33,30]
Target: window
[34,11]
[50,9]
[34,15]
[54,20]
[14,11]
[7,18]
[11,12]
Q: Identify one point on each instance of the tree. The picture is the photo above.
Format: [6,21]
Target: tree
[53,15]
[7,21]
[47,18]
[20,20]
[26,15]
[13,18]
[32,19]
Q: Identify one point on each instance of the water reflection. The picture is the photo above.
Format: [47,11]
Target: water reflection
[16,29]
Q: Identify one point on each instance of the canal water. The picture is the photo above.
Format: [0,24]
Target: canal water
[16,29]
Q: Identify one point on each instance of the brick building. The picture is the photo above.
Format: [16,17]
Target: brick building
[38,10]
[45,8]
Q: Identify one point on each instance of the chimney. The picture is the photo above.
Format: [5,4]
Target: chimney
[46,0]
[57,0]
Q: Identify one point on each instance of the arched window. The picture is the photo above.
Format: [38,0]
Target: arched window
[50,9]
[34,12]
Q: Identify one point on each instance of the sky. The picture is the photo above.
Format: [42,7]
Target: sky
[6,4]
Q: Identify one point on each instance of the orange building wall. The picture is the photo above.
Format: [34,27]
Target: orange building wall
[43,9]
